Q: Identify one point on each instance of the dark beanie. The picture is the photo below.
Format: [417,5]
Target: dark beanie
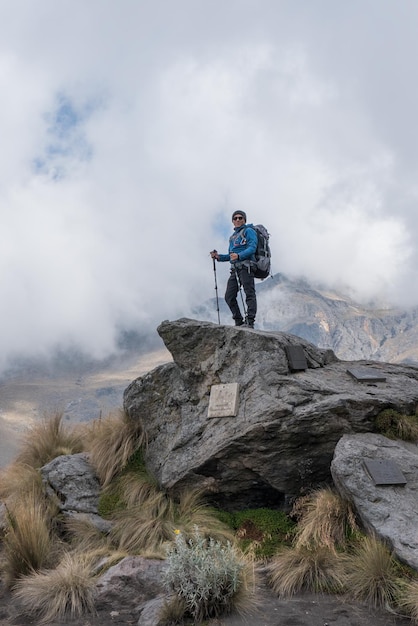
[239,213]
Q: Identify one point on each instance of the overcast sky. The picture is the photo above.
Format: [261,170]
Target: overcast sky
[131,129]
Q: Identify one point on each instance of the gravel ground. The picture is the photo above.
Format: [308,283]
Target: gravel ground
[300,610]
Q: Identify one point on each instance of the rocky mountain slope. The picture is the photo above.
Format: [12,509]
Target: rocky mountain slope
[331,319]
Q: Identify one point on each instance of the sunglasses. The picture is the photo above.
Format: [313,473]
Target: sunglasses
[237,217]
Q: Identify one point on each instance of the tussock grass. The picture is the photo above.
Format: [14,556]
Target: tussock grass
[408,599]
[136,488]
[408,428]
[19,479]
[84,536]
[372,573]
[173,610]
[302,569]
[29,543]
[58,594]
[149,524]
[395,425]
[111,443]
[324,519]
[47,439]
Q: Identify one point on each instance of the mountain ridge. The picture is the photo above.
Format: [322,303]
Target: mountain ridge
[330,319]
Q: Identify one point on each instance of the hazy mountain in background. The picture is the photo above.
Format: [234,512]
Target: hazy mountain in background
[83,388]
[331,319]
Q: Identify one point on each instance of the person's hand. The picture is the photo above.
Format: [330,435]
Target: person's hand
[214,255]
[233,256]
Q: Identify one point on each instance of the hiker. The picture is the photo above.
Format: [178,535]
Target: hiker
[242,247]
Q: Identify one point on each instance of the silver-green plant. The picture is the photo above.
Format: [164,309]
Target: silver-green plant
[205,576]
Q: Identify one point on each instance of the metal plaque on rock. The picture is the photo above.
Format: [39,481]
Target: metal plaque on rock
[366,375]
[223,400]
[296,358]
[384,472]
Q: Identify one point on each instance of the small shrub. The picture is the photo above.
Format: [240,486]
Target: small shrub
[206,577]
[46,440]
[303,569]
[324,519]
[58,594]
[395,425]
[372,573]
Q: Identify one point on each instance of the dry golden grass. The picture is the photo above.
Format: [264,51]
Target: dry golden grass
[397,425]
[111,443]
[408,599]
[245,601]
[58,594]
[17,480]
[84,536]
[136,487]
[324,519]
[29,543]
[372,573]
[408,428]
[46,440]
[173,610]
[148,525]
[302,569]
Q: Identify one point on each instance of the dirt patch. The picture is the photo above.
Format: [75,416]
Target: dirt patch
[300,610]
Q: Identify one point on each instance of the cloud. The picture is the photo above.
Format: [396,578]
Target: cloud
[130,133]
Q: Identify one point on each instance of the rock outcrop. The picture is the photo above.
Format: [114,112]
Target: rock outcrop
[388,511]
[282,439]
[129,587]
[73,485]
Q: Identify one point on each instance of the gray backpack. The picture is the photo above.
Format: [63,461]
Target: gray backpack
[261,267]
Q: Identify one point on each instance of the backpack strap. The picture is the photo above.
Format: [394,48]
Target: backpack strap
[239,233]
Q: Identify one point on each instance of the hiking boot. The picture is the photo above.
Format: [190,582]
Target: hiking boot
[239,322]
[250,323]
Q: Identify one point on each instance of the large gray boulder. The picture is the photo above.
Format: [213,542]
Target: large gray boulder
[282,440]
[389,511]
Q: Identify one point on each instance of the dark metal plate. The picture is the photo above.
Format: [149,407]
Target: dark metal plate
[296,358]
[384,472]
[366,375]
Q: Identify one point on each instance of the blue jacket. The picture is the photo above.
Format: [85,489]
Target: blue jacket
[243,241]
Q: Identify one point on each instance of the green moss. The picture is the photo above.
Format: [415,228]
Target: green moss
[136,463]
[267,520]
[226,518]
[261,531]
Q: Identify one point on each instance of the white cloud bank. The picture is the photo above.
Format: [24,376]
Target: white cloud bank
[130,131]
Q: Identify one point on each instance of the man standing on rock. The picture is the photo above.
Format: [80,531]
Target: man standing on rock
[242,247]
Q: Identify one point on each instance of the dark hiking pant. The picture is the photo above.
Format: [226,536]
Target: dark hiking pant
[232,288]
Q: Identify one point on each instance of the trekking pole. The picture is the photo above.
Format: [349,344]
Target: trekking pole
[242,297]
[216,290]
